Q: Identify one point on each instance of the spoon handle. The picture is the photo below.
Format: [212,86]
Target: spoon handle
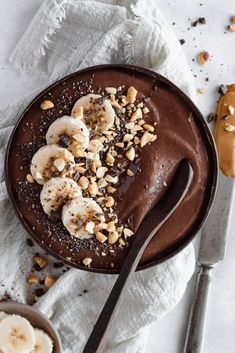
[148,228]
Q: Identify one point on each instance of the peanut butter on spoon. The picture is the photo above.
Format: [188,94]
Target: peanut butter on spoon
[225,132]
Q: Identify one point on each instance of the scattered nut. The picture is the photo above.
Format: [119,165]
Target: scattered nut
[200,90]
[130,173]
[50,281]
[111,179]
[148,127]
[136,115]
[128,232]
[101,172]
[113,238]
[131,154]
[127,137]
[90,227]
[87,261]
[29,178]
[33,279]
[83,182]
[131,94]
[146,138]
[121,242]
[130,125]
[146,110]
[111,90]
[93,189]
[111,189]
[95,146]
[101,237]
[59,164]
[40,261]
[231,109]
[203,57]
[47,104]
[110,159]
[109,202]
[229,127]
[111,226]
[102,183]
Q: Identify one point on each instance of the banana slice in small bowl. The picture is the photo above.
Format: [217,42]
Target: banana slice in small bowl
[96,111]
[81,216]
[50,160]
[57,192]
[23,329]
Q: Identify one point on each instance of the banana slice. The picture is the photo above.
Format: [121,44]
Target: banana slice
[57,192]
[16,335]
[43,344]
[98,113]
[75,129]
[80,217]
[50,160]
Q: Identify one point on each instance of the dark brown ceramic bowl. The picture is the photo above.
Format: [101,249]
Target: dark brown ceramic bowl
[33,124]
[37,320]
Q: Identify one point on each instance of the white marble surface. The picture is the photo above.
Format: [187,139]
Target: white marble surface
[167,335]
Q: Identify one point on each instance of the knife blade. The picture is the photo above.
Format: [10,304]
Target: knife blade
[215,232]
[212,249]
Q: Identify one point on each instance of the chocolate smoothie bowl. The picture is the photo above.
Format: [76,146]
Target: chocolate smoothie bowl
[92,153]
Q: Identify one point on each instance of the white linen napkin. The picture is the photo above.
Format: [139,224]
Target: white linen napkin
[64,36]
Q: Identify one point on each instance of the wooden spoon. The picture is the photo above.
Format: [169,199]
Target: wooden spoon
[154,220]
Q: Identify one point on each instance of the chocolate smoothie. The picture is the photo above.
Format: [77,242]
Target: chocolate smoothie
[180,133]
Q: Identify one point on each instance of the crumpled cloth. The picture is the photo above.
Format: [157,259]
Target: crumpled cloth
[64,36]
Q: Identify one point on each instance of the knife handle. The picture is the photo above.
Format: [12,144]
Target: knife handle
[197,318]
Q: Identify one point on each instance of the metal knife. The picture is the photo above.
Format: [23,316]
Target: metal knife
[212,248]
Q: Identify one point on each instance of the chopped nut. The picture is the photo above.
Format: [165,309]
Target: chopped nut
[102,183]
[111,227]
[93,189]
[148,127]
[127,137]
[130,173]
[47,104]
[130,125]
[95,145]
[233,19]
[87,261]
[111,90]
[111,179]
[83,182]
[146,138]
[50,281]
[113,237]
[109,202]
[136,128]
[33,279]
[78,112]
[121,242]
[200,90]
[203,57]
[80,170]
[40,261]
[110,159]
[131,154]
[141,122]
[128,232]
[136,140]
[146,110]
[231,109]
[93,167]
[136,115]
[90,227]
[111,189]
[29,178]
[59,164]
[120,144]
[229,127]
[131,94]
[101,172]
[231,28]
[101,237]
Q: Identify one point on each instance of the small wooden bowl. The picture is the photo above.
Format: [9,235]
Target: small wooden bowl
[37,320]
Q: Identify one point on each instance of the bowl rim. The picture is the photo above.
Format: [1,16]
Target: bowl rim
[179,245]
[5,305]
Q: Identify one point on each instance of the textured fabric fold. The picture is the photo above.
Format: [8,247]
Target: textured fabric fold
[65,36]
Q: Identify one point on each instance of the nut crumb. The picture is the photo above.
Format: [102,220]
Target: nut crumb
[47,104]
